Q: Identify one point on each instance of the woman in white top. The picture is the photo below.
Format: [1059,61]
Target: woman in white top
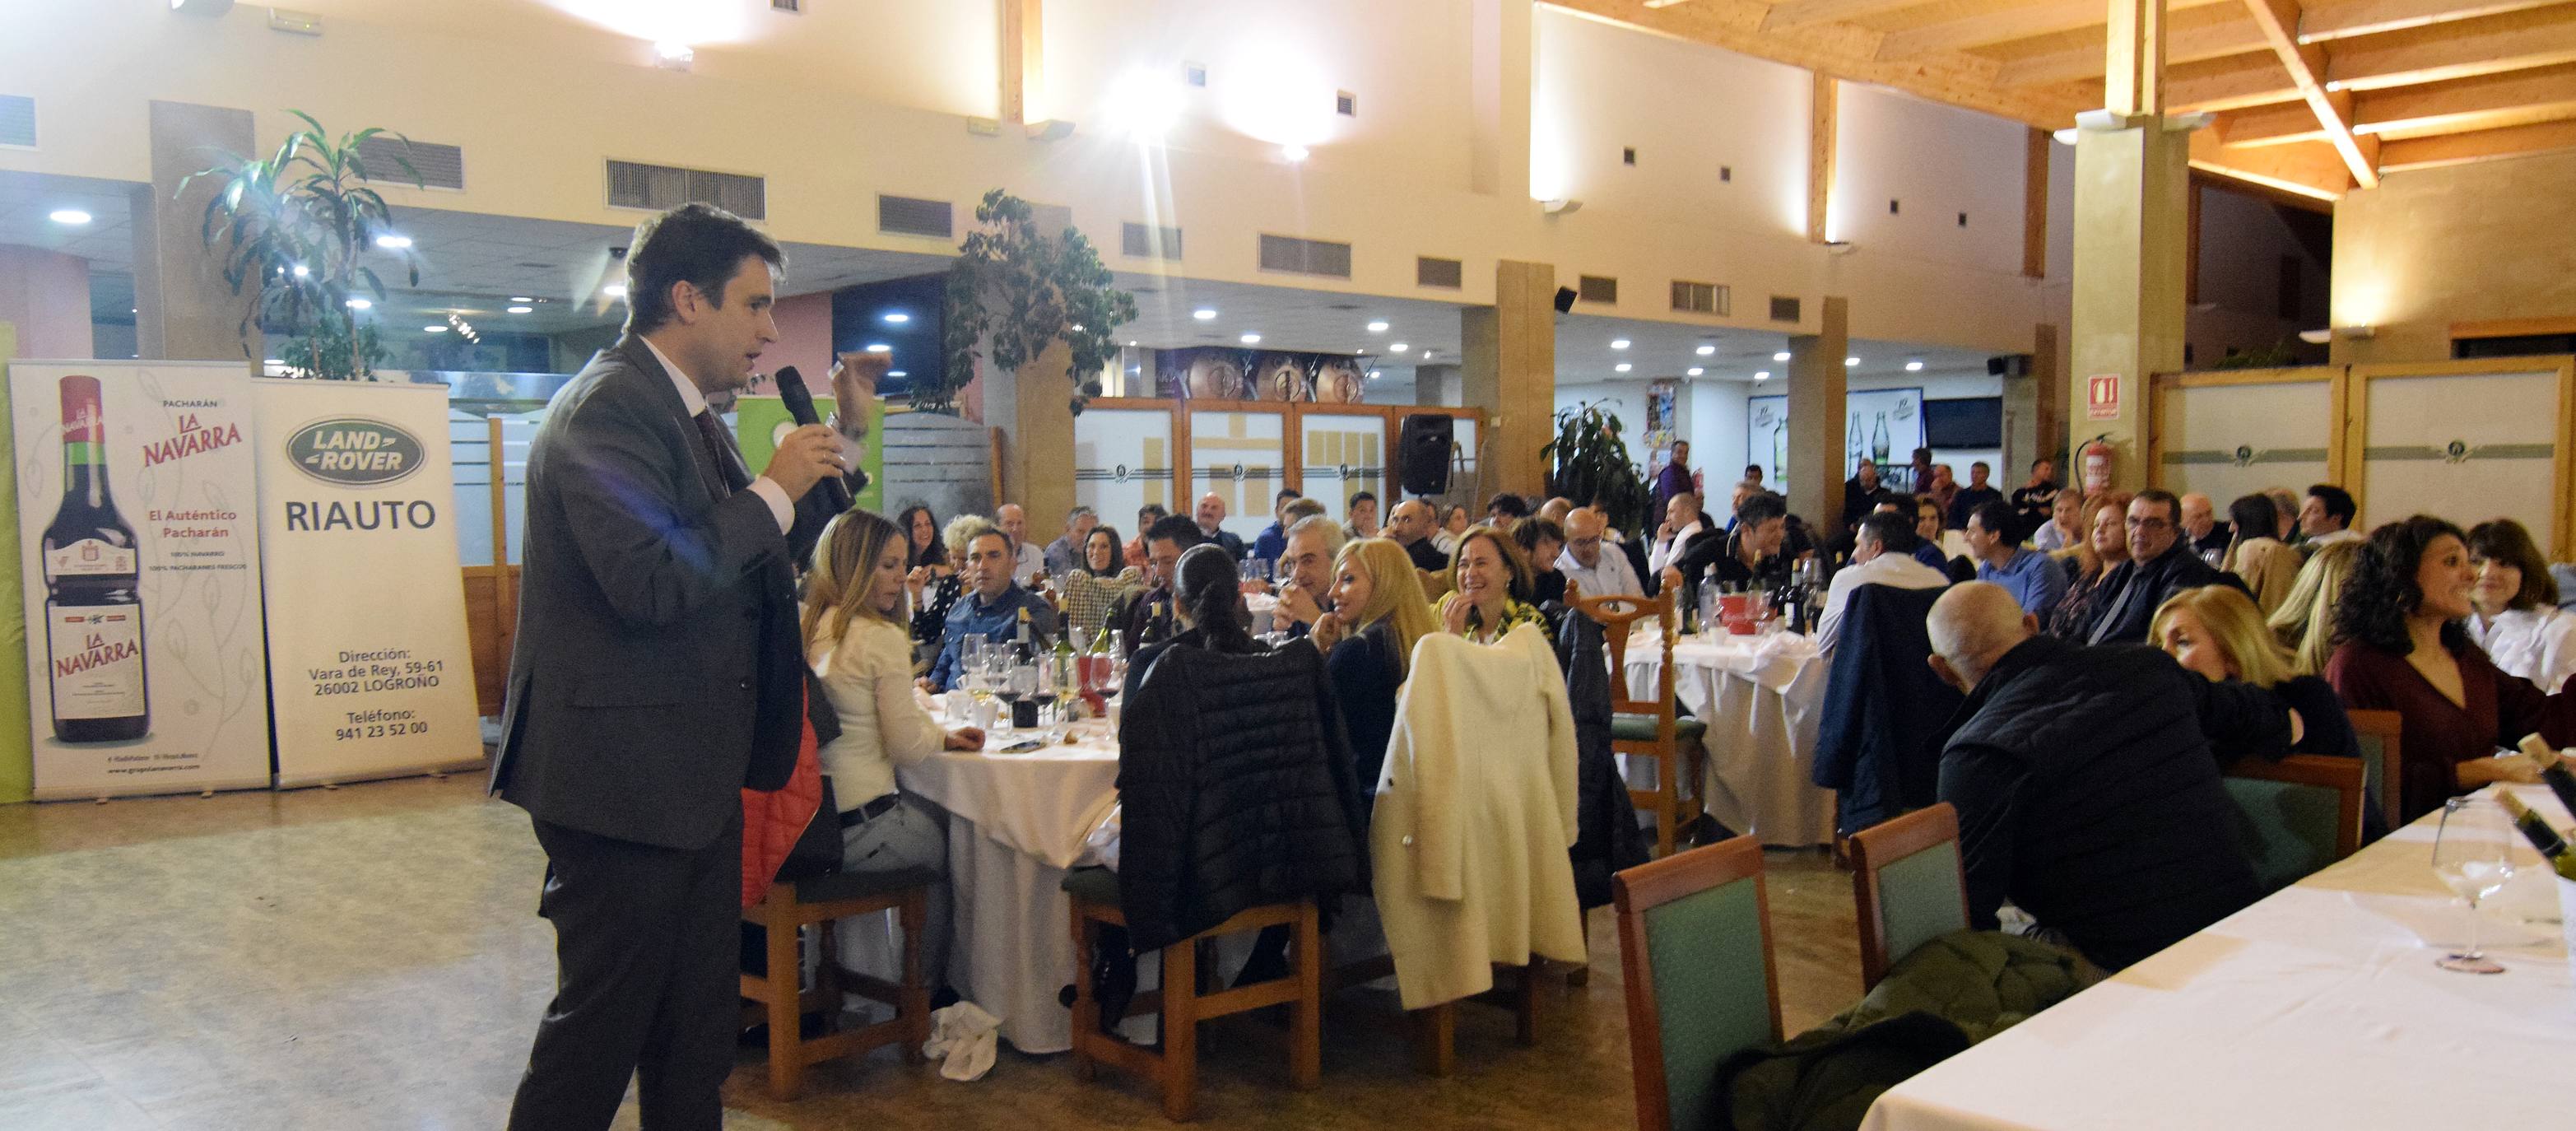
[2517,618]
[1451,531]
[2065,525]
[861,650]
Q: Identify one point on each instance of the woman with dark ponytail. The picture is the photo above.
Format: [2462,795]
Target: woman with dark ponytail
[1209,603]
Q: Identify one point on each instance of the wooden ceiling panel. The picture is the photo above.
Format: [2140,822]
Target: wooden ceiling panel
[2228,84]
[2479,145]
[2464,49]
[2309,169]
[2282,124]
[2340,19]
[2194,35]
[2487,102]
[1981,23]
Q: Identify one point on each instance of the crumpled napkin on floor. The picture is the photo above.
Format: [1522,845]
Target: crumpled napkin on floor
[963,1040]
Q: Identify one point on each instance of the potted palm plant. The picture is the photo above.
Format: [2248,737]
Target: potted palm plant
[1018,290]
[1590,465]
[297,230]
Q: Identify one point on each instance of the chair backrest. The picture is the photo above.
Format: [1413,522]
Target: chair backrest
[2376,732]
[2302,813]
[1618,614]
[1908,883]
[1695,947]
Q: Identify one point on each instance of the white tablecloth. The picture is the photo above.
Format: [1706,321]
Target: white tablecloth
[2317,1007]
[1761,697]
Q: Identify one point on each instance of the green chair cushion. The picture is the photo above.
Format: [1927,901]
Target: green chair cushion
[2289,830]
[1641,728]
[1919,898]
[1092,885]
[1712,994]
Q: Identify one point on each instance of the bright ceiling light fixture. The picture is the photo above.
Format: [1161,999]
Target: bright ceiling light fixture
[393,242]
[1204,314]
[1783,355]
[1377,327]
[1623,367]
[879,347]
[1848,362]
[614,290]
[523,310]
[438,329]
[521,298]
[1296,154]
[897,317]
[1693,371]
[1914,367]
[1252,339]
[72,216]
[1144,105]
[1704,351]
[1398,347]
[897,373]
[358,304]
[672,56]
[1618,343]
[1764,375]
[302,271]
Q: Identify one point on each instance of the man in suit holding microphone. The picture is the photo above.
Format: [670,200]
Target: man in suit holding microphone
[656,674]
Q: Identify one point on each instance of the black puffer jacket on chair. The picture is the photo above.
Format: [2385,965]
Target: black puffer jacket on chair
[1235,774]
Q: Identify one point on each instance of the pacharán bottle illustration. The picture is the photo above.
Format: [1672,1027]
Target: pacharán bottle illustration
[93,612]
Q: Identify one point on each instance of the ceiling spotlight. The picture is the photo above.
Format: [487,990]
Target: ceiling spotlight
[1783,355]
[522,309]
[2316,337]
[1252,339]
[1693,371]
[1377,327]
[69,216]
[1764,375]
[897,373]
[391,242]
[303,272]
[1848,362]
[358,304]
[1398,347]
[614,290]
[1427,354]
[1131,345]
[897,317]
[437,329]
[1914,367]
[1623,367]
[521,298]
[1374,375]
[879,347]
[1144,105]
[1296,154]
[1204,314]
[1618,343]
[1704,351]
[673,56]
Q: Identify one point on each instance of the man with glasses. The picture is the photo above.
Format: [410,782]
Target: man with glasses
[1591,572]
[2161,563]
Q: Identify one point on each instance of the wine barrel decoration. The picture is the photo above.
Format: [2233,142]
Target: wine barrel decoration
[1280,377]
[1339,380]
[1214,375]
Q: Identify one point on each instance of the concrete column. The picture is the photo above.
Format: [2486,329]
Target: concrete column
[2132,190]
[46,295]
[1510,372]
[1037,452]
[182,307]
[1818,387]
[1436,385]
[1500,44]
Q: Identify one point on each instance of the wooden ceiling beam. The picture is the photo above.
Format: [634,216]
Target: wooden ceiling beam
[2466,49]
[2191,36]
[2312,170]
[2342,19]
[2279,21]
[2281,124]
[2479,145]
[1803,13]
[1991,26]
[2235,83]
[2485,102]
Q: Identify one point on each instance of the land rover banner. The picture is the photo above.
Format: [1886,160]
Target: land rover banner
[141,577]
[367,652]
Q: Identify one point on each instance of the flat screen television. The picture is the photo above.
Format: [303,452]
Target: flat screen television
[1967,422]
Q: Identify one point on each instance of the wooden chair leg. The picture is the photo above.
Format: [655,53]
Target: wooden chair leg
[1306,1024]
[786,1034]
[1180,1069]
[1435,1039]
[1086,1006]
[1577,977]
[1525,1003]
[1667,807]
[913,915]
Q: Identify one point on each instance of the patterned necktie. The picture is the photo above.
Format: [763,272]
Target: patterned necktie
[725,472]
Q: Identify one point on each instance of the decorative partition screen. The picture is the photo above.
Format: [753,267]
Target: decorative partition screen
[2466,445]
[2230,434]
[1340,454]
[1241,457]
[1122,460]
[1245,451]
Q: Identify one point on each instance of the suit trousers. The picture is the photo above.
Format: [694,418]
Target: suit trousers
[646,985]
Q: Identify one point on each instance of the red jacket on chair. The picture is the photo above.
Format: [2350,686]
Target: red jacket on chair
[773,820]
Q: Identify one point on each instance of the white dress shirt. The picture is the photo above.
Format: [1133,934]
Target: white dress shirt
[1614,577]
[1899,570]
[1031,565]
[694,402]
[2538,644]
[1664,550]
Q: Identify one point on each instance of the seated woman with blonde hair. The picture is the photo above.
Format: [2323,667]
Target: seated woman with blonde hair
[2268,566]
[1378,614]
[1489,588]
[2305,621]
[2216,632]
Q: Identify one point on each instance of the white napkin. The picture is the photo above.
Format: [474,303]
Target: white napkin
[963,1040]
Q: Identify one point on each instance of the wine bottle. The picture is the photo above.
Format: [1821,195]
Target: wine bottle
[1024,651]
[93,609]
[2552,846]
[2553,769]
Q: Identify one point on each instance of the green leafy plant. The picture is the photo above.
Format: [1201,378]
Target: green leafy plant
[1020,290]
[296,229]
[1589,464]
[2278,355]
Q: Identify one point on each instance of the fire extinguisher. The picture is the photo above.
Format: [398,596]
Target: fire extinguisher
[2095,459]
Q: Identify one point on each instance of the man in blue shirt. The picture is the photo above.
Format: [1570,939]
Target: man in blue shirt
[1273,539]
[990,609]
[2031,577]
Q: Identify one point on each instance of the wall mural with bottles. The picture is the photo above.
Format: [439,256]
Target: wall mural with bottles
[1884,427]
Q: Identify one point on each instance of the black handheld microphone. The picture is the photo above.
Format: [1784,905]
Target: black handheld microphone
[800,404]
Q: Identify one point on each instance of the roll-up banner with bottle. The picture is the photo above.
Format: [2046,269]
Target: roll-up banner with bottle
[141,565]
[366,616]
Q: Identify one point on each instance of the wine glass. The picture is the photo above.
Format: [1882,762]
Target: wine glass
[2473,854]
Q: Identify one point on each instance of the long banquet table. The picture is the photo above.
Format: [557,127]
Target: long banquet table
[2319,1006]
[1763,698]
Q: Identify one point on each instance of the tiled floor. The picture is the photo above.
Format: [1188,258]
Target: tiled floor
[370,957]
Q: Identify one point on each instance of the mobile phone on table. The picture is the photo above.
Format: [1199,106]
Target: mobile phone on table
[1022,747]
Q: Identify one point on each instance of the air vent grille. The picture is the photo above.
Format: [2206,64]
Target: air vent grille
[1051,220]
[912,216]
[17,120]
[439,166]
[1148,242]
[635,185]
[1701,298]
[1784,308]
[787,5]
[1306,257]
[1597,288]
[1431,272]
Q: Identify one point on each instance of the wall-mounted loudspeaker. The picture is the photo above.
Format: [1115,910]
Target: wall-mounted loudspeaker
[1564,301]
[1422,455]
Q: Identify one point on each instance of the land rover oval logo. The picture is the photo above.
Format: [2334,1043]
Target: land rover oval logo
[354,451]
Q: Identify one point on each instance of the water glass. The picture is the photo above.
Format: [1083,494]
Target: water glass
[2473,854]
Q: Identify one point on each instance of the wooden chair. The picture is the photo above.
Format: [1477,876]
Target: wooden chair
[1435,1030]
[1909,885]
[2376,732]
[2303,813]
[1181,1001]
[1651,728]
[819,902]
[1695,943]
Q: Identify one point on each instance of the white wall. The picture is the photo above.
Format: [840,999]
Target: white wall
[1937,163]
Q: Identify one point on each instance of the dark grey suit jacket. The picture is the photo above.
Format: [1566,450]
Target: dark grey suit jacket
[656,672]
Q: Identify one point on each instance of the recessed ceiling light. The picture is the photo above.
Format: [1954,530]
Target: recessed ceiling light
[1131,345]
[358,304]
[1373,375]
[1377,327]
[1252,339]
[897,317]
[391,242]
[1204,313]
[437,329]
[69,216]
[1764,375]
[1848,362]
[1704,351]
[1618,343]
[614,290]
[1398,347]
[521,298]
[522,309]
[1693,371]
[302,271]
[897,373]
[1914,367]
[879,347]
[1783,355]
[1623,367]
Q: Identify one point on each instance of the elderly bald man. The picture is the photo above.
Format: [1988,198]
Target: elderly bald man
[1556,509]
[2200,524]
[2086,783]
[1028,559]
[1210,515]
[1411,525]
[1589,563]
